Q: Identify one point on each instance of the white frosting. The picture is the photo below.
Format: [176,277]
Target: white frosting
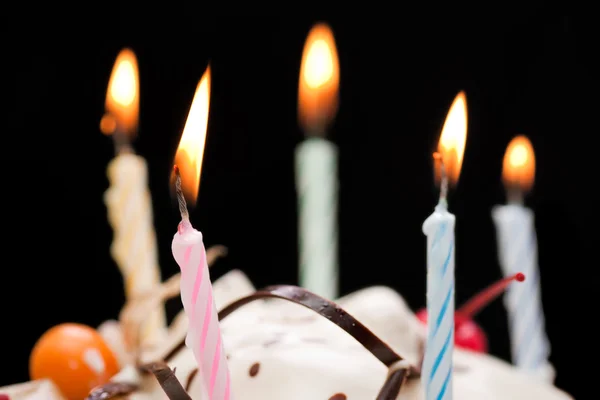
[385,312]
[42,389]
[303,356]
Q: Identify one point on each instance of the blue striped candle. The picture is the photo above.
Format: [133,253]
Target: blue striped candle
[437,364]
[439,229]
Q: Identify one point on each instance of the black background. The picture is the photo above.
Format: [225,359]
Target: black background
[532,72]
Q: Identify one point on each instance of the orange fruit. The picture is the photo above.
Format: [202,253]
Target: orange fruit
[74,357]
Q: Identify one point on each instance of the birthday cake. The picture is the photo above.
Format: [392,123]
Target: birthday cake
[284,342]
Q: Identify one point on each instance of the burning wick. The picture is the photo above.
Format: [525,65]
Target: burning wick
[443,176]
[185,216]
[110,127]
[514,195]
[478,302]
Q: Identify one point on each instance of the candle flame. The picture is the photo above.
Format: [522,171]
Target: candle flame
[122,96]
[518,168]
[319,80]
[452,142]
[190,151]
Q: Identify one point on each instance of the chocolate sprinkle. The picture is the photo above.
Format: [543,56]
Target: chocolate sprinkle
[313,340]
[270,343]
[254,369]
[460,368]
[338,396]
[167,380]
[190,379]
[111,390]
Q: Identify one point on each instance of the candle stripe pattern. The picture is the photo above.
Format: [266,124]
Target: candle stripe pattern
[517,252]
[204,333]
[317,187]
[438,360]
[134,248]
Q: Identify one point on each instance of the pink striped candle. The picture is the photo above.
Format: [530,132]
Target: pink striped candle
[204,335]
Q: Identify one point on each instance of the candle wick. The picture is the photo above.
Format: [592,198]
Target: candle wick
[180,196]
[443,177]
[515,195]
[121,142]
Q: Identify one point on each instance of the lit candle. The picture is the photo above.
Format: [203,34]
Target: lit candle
[517,251]
[439,229]
[204,335]
[128,198]
[316,165]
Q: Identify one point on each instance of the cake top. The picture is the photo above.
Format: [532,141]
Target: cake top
[278,349]
[365,346]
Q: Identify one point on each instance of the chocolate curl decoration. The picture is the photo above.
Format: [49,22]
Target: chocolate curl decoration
[399,369]
[167,380]
[111,390]
[397,375]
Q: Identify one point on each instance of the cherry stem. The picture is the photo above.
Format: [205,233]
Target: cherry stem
[485,297]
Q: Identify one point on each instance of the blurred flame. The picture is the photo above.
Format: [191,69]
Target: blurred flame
[122,96]
[190,151]
[518,169]
[453,138]
[319,80]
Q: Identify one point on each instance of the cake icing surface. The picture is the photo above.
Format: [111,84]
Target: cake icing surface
[277,349]
[280,350]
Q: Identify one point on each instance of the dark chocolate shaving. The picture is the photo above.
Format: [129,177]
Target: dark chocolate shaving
[111,390]
[175,350]
[329,310]
[325,308]
[190,379]
[341,318]
[167,380]
[393,384]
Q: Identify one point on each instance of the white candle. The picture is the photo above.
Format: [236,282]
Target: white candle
[439,229]
[517,251]
[128,199]
[134,241]
[316,165]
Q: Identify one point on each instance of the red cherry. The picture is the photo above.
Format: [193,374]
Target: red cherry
[467,334]
[4,397]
